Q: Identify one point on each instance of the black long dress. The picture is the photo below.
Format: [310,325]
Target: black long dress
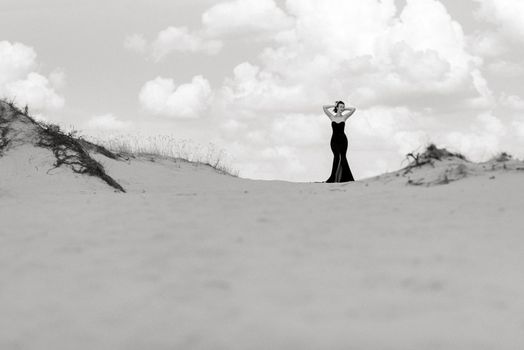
[339,145]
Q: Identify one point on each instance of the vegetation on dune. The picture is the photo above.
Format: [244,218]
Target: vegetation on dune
[459,167]
[431,154]
[72,150]
[68,149]
[4,141]
[502,157]
[168,147]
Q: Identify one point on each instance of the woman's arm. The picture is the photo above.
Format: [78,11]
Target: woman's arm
[327,112]
[351,111]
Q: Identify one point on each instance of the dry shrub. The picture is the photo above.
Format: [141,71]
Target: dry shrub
[502,157]
[431,154]
[71,151]
[67,148]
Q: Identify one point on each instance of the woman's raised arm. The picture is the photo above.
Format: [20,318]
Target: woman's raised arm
[327,112]
[351,111]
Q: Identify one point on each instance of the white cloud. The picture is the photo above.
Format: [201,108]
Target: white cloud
[254,89]
[502,37]
[395,129]
[427,25]
[34,91]
[107,122]
[506,14]
[418,59]
[380,121]
[173,39]
[483,139]
[298,130]
[287,144]
[487,44]
[518,128]
[232,125]
[161,96]
[16,61]
[485,99]
[513,102]
[20,82]
[491,124]
[400,69]
[246,18]
[503,68]
[410,141]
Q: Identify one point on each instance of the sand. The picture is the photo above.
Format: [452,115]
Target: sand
[190,258]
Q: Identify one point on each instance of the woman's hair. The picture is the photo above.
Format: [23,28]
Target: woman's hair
[336,105]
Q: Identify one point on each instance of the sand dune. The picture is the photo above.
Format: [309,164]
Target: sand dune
[190,258]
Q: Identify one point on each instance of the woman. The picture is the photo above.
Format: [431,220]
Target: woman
[339,142]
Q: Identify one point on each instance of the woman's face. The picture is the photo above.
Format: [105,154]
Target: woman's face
[340,107]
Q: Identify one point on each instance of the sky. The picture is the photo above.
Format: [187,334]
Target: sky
[250,76]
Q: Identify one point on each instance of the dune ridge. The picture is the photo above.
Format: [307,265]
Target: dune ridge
[426,257]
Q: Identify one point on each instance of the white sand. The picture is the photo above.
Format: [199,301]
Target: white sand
[191,259]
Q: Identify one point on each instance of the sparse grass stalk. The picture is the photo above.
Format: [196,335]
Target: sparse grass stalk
[167,146]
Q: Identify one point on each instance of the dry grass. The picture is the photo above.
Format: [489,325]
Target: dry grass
[130,145]
[167,146]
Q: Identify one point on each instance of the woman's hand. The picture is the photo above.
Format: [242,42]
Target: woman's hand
[351,111]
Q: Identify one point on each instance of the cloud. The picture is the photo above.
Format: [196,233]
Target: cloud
[485,99]
[298,130]
[247,18]
[171,40]
[252,19]
[518,128]
[19,81]
[503,68]
[279,146]
[501,41]
[487,44]
[506,14]
[16,60]
[390,60]
[162,97]
[35,91]
[410,71]
[254,89]
[398,129]
[481,141]
[233,125]
[107,122]
[512,102]
[381,122]
[402,68]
